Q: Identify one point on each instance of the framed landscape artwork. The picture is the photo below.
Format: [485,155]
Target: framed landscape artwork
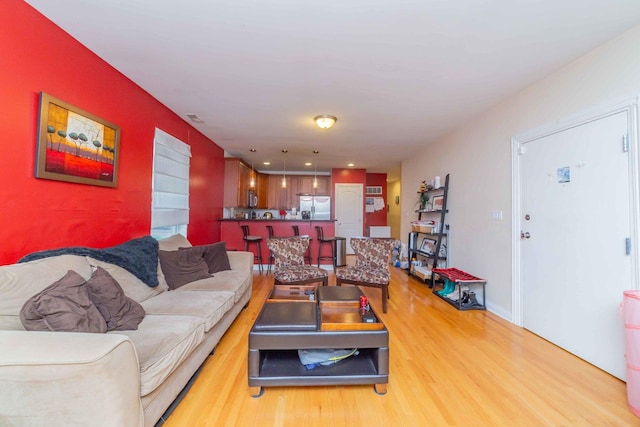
[75,146]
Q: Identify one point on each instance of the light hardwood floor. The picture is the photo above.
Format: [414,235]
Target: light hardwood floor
[447,368]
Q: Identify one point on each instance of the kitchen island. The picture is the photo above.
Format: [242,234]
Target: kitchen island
[231,233]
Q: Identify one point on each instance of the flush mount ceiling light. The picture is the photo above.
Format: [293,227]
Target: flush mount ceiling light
[325,121]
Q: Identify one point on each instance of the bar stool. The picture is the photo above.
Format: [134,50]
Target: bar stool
[307,254]
[323,240]
[257,240]
[271,256]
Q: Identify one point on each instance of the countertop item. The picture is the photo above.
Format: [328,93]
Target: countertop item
[261,219]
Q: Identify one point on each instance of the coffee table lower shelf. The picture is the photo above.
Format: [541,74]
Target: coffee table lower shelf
[283,327]
[283,368]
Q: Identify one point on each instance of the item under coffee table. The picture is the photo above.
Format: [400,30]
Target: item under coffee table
[284,327]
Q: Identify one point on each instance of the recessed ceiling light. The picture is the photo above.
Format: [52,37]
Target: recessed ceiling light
[307,164]
[351,165]
[266,163]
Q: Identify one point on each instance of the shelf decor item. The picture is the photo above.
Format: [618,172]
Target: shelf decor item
[437,203]
[428,246]
[75,146]
[423,197]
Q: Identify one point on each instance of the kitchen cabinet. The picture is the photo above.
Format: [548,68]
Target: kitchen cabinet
[305,185]
[278,197]
[262,184]
[287,198]
[237,175]
[324,185]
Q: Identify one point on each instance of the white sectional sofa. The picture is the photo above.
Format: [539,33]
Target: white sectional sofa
[119,378]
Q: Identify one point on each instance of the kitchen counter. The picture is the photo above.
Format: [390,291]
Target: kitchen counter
[231,233]
[277,219]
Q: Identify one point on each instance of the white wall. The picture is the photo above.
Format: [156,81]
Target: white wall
[478,158]
[393,217]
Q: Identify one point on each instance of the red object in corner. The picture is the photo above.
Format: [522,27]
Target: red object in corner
[456,275]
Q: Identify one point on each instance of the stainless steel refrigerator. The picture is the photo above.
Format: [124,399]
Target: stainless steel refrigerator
[318,206]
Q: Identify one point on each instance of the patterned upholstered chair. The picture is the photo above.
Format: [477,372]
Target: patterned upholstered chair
[372,265]
[289,267]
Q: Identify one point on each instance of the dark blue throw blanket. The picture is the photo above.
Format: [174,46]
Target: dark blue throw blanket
[138,256]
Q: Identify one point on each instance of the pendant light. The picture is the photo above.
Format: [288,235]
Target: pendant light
[284,169]
[315,171]
[252,181]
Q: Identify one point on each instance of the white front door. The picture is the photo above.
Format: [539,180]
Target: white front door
[576,222]
[349,208]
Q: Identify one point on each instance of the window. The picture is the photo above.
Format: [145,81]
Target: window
[170,186]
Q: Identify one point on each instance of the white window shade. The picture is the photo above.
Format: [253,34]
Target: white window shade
[170,187]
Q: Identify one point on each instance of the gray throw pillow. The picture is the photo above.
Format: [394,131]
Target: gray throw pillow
[182,267]
[63,306]
[119,311]
[215,255]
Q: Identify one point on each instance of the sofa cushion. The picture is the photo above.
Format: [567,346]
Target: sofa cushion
[182,267]
[173,243]
[19,282]
[366,274]
[119,311]
[210,306]
[133,287]
[162,343]
[215,255]
[11,323]
[299,273]
[236,281]
[64,306]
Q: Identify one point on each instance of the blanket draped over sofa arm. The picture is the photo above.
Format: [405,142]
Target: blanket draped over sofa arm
[138,256]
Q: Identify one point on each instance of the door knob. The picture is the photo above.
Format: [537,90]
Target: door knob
[525,235]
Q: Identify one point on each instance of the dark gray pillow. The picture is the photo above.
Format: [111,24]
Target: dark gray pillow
[119,311]
[63,306]
[182,267]
[215,255]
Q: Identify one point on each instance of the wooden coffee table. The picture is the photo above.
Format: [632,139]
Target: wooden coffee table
[332,320]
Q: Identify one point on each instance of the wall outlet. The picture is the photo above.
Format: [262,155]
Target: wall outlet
[496,215]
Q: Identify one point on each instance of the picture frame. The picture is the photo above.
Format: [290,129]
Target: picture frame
[76,146]
[428,246]
[437,202]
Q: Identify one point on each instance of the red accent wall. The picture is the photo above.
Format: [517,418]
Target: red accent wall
[40,214]
[377,218]
[349,176]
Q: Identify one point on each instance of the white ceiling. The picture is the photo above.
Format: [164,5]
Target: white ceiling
[398,74]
